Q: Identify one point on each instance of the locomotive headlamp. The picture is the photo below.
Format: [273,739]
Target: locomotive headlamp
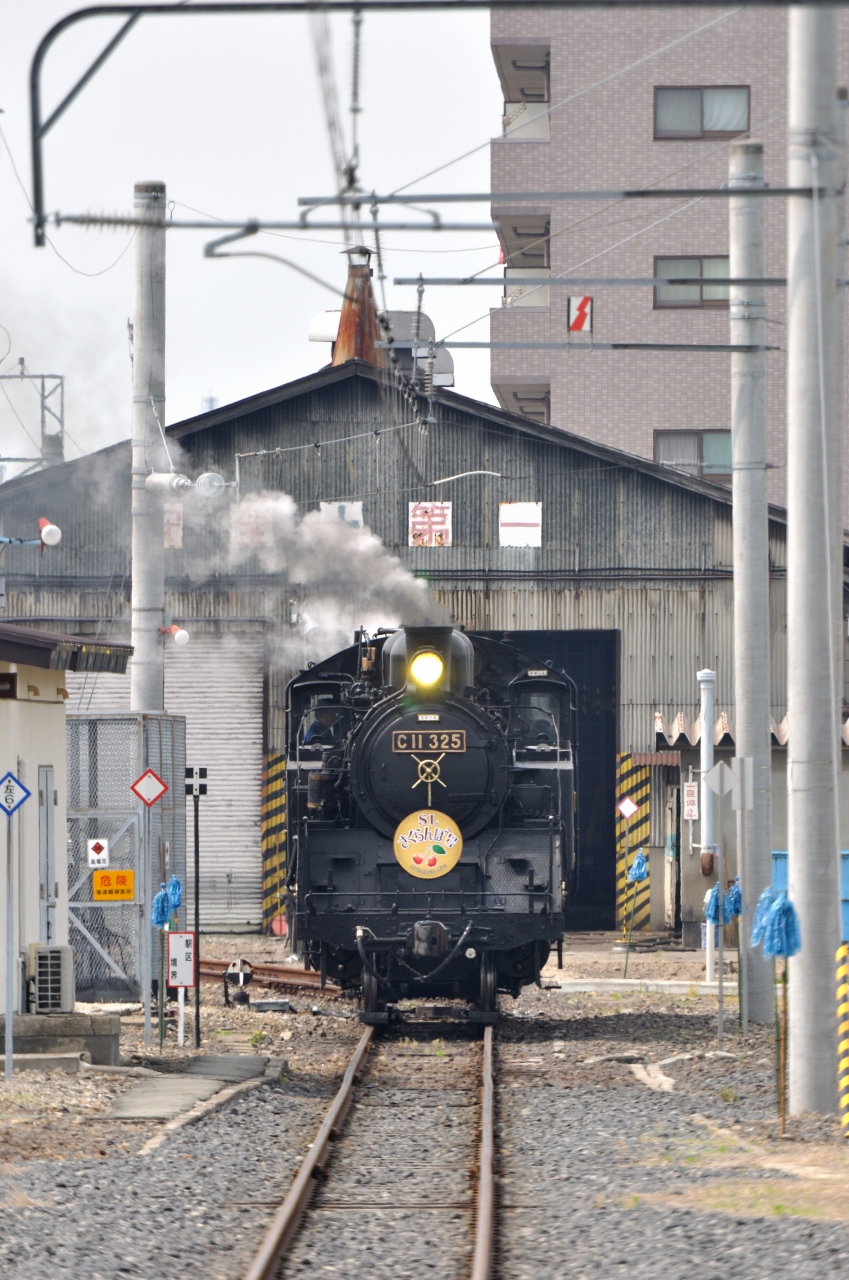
[427,667]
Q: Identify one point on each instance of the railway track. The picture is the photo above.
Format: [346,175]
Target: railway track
[283,977]
[407,1177]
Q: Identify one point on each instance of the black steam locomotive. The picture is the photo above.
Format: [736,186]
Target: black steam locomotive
[432,815]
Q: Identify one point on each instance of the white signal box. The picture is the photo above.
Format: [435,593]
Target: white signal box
[181,959]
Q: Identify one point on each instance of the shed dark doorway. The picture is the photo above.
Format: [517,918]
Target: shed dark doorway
[591,659]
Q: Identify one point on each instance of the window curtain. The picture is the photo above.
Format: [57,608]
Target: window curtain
[726,110]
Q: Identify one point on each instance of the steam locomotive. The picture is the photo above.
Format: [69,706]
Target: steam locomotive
[432,815]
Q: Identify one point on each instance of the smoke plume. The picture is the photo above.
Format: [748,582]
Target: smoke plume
[340,577]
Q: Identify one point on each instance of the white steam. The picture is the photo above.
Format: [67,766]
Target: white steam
[340,577]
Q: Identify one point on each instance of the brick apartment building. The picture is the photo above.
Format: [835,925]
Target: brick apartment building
[679,84]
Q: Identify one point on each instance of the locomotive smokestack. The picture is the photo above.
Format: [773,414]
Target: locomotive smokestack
[359,329]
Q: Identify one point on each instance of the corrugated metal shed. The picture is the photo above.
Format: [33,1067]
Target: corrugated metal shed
[627,546]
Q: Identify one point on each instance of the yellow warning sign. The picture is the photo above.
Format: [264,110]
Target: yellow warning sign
[428,844]
[113,886]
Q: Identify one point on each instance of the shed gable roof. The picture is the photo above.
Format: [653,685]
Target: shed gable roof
[486,413]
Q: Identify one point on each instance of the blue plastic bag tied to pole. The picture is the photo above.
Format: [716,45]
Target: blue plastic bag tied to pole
[175,893]
[160,912]
[781,933]
[712,907]
[762,910]
[639,868]
[735,897]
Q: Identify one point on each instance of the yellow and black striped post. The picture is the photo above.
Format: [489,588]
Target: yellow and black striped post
[634,781]
[273,823]
[842,959]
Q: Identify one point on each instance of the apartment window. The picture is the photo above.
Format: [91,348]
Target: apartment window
[718,111]
[701,453]
[701,270]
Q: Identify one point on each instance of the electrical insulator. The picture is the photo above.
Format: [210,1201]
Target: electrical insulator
[51,534]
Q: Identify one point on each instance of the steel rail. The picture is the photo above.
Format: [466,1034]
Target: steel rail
[287,1218]
[282,977]
[482,1257]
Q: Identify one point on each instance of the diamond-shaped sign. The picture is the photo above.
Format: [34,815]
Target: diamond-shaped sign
[149,787]
[627,807]
[12,794]
[98,853]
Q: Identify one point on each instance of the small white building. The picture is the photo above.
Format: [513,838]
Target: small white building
[33,671]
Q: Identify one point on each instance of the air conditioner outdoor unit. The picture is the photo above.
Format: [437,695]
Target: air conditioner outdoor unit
[51,978]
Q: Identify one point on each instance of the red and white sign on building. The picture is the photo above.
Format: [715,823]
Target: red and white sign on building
[690,806]
[149,787]
[627,808]
[181,959]
[250,526]
[520,524]
[580,315]
[173,525]
[430,524]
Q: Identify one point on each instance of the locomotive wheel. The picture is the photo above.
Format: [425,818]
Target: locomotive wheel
[488,988]
[370,992]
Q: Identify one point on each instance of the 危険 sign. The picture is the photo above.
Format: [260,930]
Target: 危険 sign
[691,802]
[181,959]
[98,853]
[113,886]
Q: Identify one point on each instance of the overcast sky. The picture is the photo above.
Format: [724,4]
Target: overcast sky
[227,111]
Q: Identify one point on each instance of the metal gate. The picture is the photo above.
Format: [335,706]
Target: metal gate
[114,956]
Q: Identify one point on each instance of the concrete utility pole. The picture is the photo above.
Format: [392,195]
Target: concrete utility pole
[148,560]
[707,689]
[814,553]
[751,552]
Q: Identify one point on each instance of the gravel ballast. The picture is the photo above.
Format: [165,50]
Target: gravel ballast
[625,1144]
[602,1175]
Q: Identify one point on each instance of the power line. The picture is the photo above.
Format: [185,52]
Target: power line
[78,270]
[20,420]
[614,75]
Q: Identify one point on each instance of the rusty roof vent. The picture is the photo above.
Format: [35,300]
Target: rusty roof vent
[359,328]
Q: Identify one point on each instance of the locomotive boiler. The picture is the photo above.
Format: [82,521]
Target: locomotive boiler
[432,815]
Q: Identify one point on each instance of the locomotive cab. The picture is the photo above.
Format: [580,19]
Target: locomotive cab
[431,808]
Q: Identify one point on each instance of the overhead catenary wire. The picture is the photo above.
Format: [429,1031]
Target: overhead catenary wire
[614,75]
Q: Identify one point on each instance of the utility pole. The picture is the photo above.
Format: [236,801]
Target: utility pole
[814,552]
[707,688]
[148,557]
[751,553]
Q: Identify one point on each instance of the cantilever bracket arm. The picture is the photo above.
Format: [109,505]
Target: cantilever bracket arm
[250,229]
[133,12]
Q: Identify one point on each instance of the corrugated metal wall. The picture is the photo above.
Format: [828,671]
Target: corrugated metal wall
[624,549]
[216,682]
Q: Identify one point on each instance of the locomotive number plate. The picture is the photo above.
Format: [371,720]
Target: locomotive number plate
[432,740]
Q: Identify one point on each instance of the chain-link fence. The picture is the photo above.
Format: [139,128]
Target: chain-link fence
[112,940]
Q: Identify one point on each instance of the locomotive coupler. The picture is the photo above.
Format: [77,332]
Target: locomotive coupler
[427,938]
